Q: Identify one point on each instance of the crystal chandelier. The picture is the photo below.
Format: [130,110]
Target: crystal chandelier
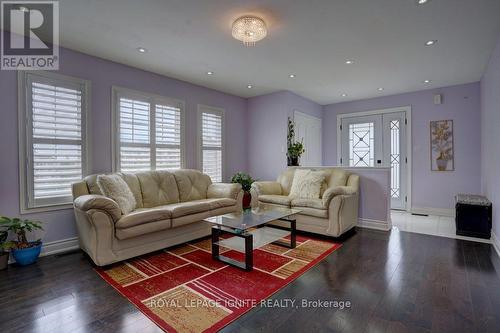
[249,30]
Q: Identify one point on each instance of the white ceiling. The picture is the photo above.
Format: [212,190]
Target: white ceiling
[309,38]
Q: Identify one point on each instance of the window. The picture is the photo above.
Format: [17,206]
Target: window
[211,141]
[52,129]
[149,132]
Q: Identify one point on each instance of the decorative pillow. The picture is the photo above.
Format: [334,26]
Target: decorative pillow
[114,187]
[307,184]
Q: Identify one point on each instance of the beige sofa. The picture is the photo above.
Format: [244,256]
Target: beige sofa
[334,213]
[169,210]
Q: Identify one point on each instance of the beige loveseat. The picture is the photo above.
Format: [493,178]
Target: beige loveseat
[332,214]
[169,210]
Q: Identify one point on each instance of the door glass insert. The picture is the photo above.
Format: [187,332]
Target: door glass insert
[395,159]
[361,145]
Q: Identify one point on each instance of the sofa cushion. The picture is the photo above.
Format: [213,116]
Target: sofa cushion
[158,188]
[276,199]
[134,186]
[188,219]
[307,184]
[187,208]
[193,218]
[312,203]
[114,187]
[322,213]
[143,229]
[197,206]
[91,181]
[192,184]
[217,203]
[285,179]
[143,216]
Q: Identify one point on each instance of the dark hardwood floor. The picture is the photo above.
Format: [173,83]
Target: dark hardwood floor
[396,282]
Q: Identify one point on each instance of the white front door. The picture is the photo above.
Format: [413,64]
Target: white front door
[308,128]
[378,141]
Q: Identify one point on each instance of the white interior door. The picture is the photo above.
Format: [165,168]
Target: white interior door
[308,128]
[378,141]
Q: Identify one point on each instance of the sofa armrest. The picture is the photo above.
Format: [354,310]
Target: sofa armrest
[223,190]
[261,188]
[331,192]
[99,202]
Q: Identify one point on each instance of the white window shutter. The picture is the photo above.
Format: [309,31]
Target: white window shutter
[212,144]
[56,142]
[135,152]
[168,137]
[150,132]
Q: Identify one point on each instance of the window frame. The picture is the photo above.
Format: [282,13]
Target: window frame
[25,130]
[220,112]
[117,92]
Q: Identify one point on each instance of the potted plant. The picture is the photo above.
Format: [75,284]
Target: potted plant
[23,251]
[4,246]
[246,183]
[294,148]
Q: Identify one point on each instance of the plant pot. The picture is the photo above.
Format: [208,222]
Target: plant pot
[247,200]
[28,255]
[4,260]
[442,164]
[292,161]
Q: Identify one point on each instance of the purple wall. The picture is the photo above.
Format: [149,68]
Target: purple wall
[490,117]
[267,126]
[460,103]
[103,74]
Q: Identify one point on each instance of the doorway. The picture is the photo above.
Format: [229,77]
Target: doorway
[379,139]
[308,128]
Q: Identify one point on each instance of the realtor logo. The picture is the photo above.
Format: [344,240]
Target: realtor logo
[30,35]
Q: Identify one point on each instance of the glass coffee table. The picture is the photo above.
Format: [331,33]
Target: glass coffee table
[251,230]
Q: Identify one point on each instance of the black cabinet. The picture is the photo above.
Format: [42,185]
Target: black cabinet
[473,216]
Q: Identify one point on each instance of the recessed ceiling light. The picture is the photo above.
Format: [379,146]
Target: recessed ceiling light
[210,73]
[427,81]
[344,95]
[142,50]
[291,76]
[430,42]
[349,62]
[24,9]
[422,2]
[249,86]
[380,89]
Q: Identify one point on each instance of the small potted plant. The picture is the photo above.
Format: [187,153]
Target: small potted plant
[4,246]
[23,251]
[294,148]
[246,183]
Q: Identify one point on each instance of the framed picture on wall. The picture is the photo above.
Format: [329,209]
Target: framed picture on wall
[442,154]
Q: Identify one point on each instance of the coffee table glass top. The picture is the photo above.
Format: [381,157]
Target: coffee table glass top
[251,218]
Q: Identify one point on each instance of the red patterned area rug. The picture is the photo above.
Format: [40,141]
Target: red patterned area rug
[182,289]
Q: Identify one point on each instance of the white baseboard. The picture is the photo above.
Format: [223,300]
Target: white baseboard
[433,211]
[495,241]
[55,247]
[375,224]
[60,246]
